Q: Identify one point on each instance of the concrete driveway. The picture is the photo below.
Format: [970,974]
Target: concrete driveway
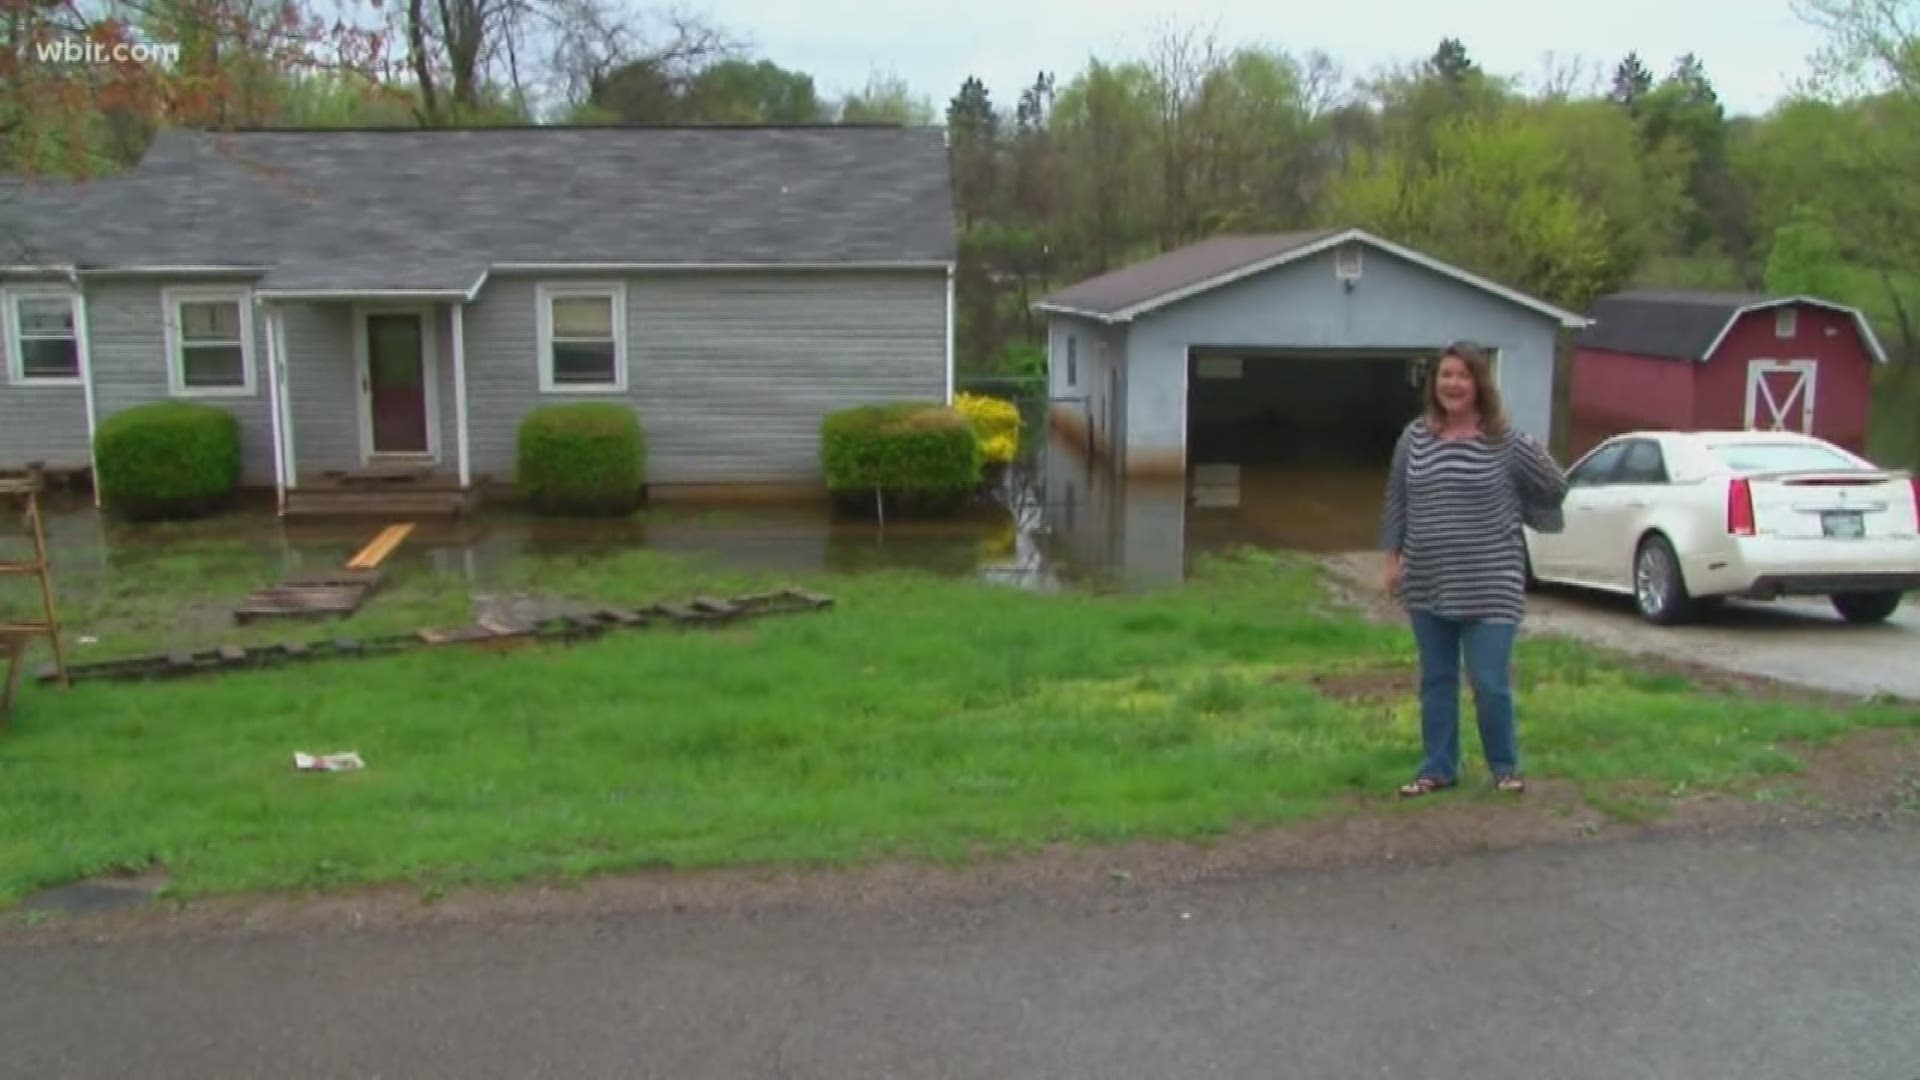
[1794,641]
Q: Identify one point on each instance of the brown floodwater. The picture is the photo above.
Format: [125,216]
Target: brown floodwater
[1057,520]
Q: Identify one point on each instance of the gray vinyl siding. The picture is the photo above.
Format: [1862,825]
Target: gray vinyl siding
[39,423]
[129,354]
[730,373]
[323,385]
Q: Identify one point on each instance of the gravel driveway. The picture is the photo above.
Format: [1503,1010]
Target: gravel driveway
[1794,641]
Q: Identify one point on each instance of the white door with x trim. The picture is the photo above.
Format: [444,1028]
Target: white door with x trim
[1780,395]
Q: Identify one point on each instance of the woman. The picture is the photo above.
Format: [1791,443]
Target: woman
[1461,484]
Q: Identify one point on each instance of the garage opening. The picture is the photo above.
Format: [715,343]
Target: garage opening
[1296,443]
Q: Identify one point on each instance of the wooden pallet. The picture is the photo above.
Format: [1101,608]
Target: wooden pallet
[319,594]
[487,634]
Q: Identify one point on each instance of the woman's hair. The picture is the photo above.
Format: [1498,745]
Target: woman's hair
[1493,411]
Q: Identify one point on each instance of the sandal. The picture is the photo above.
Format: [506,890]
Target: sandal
[1424,785]
[1512,783]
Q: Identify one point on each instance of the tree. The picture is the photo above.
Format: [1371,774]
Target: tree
[973,148]
[1806,258]
[886,99]
[1104,121]
[1494,199]
[1632,80]
[1871,44]
[1451,62]
[752,92]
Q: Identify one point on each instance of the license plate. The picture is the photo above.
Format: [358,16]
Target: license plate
[1842,524]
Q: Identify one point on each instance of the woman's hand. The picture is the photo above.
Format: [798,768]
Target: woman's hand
[1395,570]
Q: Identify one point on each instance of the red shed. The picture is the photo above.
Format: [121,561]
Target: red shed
[1705,361]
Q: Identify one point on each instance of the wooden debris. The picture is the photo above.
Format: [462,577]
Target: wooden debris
[489,633]
[314,594]
[382,545]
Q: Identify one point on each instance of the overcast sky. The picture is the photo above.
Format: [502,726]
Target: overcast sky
[1753,49]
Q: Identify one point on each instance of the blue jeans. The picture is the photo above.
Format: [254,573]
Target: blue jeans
[1488,648]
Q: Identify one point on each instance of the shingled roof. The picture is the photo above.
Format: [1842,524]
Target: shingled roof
[1688,324]
[1131,291]
[432,209]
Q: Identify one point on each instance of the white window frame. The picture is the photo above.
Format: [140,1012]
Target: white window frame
[546,294]
[1786,323]
[16,357]
[170,301]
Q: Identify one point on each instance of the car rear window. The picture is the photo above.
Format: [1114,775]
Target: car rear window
[1780,457]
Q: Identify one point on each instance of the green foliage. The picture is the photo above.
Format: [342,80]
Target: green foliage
[586,458]
[1805,260]
[924,456]
[728,91]
[1025,360]
[168,459]
[1495,197]
[886,99]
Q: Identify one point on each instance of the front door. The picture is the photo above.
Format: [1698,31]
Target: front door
[1780,395]
[396,383]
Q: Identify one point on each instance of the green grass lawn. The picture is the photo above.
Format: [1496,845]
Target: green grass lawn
[923,716]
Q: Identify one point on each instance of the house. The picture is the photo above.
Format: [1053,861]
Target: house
[1279,346]
[362,299]
[1687,360]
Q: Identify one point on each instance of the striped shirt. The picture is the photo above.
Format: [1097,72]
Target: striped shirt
[1453,511]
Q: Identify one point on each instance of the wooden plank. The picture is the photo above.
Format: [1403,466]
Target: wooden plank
[232,655]
[810,598]
[722,608]
[679,613]
[433,637]
[376,552]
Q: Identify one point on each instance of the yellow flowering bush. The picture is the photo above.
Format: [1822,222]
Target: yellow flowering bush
[996,422]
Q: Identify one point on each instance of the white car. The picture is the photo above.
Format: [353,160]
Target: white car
[1675,519]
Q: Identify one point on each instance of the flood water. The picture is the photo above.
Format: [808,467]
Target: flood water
[1057,520]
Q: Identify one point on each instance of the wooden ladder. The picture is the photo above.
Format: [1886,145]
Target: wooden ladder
[15,490]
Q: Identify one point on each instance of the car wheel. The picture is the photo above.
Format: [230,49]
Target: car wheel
[1658,589]
[1871,607]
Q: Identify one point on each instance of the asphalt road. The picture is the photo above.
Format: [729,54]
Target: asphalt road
[1778,955]
[1796,641]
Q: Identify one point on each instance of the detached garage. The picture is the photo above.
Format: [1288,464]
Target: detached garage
[1684,360]
[1280,349]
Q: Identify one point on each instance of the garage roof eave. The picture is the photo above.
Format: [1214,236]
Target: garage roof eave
[1082,313]
[1143,306]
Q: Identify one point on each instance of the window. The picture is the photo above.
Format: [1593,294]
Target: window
[1782,457]
[43,343]
[1598,467]
[583,338]
[209,342]
[1643,463]
[1073,361]
[1785,322]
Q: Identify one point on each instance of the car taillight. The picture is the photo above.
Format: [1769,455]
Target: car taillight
[1915,483]
[1740,507]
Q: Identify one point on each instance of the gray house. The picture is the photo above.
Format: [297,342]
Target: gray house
[372,300]
[1280,345]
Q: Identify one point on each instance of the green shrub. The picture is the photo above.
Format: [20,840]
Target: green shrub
[585,458]
[919,456]
[167,459]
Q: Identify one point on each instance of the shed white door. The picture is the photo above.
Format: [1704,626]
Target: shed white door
[1780,395]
